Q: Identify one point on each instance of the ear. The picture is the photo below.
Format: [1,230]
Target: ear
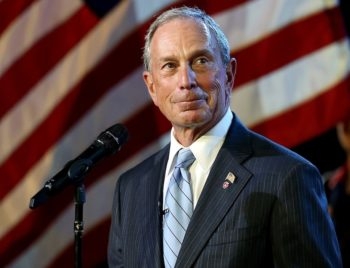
[231,72]
[148,79]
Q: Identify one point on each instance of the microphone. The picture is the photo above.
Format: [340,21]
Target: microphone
[107,143]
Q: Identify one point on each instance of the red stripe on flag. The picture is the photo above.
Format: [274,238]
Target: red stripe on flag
[288,44]
[10,10]
[310,119]
[41,58]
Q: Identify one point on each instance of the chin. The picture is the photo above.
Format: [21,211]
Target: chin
[197,119]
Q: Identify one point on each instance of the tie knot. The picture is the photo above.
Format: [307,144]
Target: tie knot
[185,158]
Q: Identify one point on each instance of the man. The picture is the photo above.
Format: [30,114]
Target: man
[255,203]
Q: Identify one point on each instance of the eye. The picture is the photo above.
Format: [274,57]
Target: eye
[169,66]
[201,64]
[201,61]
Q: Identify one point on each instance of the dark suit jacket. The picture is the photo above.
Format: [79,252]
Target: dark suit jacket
[273,215]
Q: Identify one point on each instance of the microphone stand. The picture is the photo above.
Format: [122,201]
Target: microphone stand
[78,224]
[77,172]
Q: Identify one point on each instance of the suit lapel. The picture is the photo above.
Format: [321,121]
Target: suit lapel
[151,217]
[225,182]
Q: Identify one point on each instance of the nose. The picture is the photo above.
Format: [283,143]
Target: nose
[187,77]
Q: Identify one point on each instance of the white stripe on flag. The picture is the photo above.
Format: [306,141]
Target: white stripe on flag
[292,85]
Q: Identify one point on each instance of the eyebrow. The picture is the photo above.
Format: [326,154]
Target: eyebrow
[205,52]
[194,54]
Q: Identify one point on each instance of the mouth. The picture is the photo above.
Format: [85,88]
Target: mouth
[190,101]
[190,104]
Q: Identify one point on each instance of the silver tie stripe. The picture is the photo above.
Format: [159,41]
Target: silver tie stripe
[179,202]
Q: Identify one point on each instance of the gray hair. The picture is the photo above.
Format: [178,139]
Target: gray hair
[187,12]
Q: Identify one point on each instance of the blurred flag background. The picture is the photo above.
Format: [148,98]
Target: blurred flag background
[69,69]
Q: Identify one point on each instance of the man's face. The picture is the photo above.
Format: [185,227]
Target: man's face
[187,79]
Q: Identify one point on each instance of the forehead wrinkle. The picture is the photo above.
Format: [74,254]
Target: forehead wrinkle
[185,39]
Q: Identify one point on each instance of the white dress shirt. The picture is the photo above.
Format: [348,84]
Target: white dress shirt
[205,149]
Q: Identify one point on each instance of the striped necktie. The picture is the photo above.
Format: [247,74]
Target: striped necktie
[179,203]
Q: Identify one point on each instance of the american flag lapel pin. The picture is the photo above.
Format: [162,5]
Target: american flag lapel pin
[230,178]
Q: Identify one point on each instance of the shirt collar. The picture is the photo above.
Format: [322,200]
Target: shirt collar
[206,147]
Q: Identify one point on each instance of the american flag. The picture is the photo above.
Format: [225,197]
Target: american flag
[69,69]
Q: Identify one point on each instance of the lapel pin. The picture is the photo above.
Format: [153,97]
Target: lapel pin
[230,178]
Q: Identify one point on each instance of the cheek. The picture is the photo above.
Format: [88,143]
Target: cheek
[161,98]
[217,93]
[158,92]
[157,99]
